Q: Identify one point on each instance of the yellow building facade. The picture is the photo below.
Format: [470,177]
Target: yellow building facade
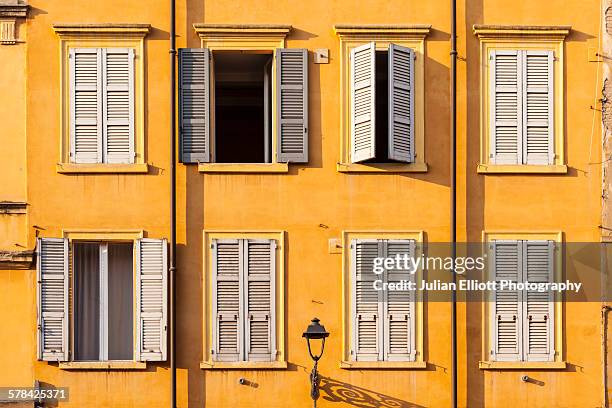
[93,172]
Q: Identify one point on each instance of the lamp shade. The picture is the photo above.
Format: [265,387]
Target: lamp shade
[315,330]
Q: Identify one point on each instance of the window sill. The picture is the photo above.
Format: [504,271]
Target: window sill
[72,168]
[522,365]
[518,169]
[382,168]
[243,365]
[103,365]
[243,167]
[360,365]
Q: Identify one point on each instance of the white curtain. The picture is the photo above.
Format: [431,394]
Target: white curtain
[120,301]
[86,301]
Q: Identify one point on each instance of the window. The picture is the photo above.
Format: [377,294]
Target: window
[382,94]
[102,105]
[118,305]
[102,97]
[245,105]
[522,119]
[523,322]
[385,326]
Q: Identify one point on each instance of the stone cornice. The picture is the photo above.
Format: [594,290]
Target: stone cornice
[16,260]
[369,30]
[13,207]
[205,30]
[13,10]
[129,29]
[490,30]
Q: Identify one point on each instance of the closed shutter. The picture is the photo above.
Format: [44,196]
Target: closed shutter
[538,107]
[506,107]
[292,94]
[85,105]
[118,97]
[367,303]
[52,283]
[401,103]
[399,306]
[259,286]
[194,99]
[226,300]
[151,299]
[539,322]
[363,102]
[507,310]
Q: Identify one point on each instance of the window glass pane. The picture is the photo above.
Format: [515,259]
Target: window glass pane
[86,263]
[120,301]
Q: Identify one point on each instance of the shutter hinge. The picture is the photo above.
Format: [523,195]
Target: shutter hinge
[212,351]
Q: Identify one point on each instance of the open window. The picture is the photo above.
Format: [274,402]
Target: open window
[229,101]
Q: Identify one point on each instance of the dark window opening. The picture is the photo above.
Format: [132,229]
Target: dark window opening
[243,105]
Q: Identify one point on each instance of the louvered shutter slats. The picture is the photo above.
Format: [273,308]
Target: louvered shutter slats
[292,94]
[538,112]
[52,271]
[86,105]
[194,88]
[151,293]
[118,92]
[363,101]
[401,103]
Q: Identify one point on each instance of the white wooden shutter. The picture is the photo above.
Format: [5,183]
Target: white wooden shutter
[363,102]
[538,125]
[538,330]
[52,284]
[227,306]
[151,299]
[399,306]
[194,100]
[401,103]
[85,105]
[292,100]
[507,310]
[505,107]
[367,303]
[118,104]
[259,266]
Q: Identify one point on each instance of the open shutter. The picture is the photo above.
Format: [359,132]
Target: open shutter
[363,102]
[259,267]
[538,147]
[506,107]
[194,99]
[539,322]
[226,300]
[507,313]
[151,299]
[52,283]
[85,105]
[367,303]
[118,102]
[399,306]
[401,103]
[292,99]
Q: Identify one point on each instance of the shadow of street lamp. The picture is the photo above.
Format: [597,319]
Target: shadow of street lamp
[315,331]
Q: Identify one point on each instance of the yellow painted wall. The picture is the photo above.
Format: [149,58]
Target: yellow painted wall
[312,203]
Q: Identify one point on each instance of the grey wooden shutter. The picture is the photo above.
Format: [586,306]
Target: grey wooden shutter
[194,104]
[259,267]
[118,104]
[292,100]
[401,103]
[367,303]
[363,102]
[151,299]
[538,331]
[507,309]
[505,107]
[85,105]
[399,306]
[538,125]
[227,306]
[52,284]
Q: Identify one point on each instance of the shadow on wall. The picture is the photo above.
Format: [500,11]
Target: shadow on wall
[336,391]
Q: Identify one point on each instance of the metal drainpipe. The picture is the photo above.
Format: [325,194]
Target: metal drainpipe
[453,129]
[172,270]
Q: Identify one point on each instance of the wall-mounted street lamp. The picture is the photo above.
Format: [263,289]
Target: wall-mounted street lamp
[315,331]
